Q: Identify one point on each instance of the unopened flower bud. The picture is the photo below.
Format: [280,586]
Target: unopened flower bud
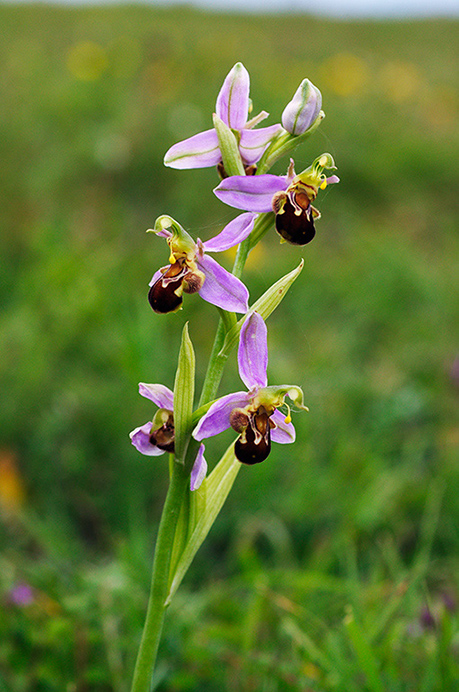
[303,110]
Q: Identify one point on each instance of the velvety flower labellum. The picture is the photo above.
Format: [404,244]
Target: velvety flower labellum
[254,443]
[165,295]
[164,435]
[295,228]
[253,414]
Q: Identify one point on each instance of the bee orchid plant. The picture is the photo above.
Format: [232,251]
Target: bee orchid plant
[242,155]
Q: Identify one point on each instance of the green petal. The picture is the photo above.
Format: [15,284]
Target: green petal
[275,395]
[181,241]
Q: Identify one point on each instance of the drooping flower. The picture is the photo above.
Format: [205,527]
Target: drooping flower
[290,197]
[192,270]
[303,110]
[233,105]
[158,436]
[254,414]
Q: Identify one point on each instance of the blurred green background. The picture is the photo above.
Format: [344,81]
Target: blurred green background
[333,565]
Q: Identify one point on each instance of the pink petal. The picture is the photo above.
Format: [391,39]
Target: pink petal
[233,99]
[222,288]
[252,354]
[200,151]
[140,438]
[254,142]
[234,233]
[199,470]
[303,109]
[157,275]
[250,192]
[159,394]
[217,418]
[283,433]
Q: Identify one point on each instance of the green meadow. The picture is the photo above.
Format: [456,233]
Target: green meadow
[333,565]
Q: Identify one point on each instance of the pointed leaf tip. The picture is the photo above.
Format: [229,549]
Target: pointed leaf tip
[184,395]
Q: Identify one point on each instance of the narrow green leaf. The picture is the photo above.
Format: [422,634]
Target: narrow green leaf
[183,396]
[314,652]
[209,500]
[365,655]
[265,305]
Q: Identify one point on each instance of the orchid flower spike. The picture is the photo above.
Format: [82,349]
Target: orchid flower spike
[233,106]
[253,414]
[192,270]
[290,197]
[158,436]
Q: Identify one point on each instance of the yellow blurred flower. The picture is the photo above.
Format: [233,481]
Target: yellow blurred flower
[345,73]
[312,671]
[12,494]
[87,61]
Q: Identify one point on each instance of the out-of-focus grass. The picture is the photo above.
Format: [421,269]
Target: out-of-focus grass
[333,565]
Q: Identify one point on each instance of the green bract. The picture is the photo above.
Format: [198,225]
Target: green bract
[229,148]
[183,396]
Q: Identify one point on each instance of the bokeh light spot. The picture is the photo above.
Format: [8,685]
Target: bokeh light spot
[87,61]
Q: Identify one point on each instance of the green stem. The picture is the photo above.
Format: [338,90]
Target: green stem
[160,581]
[241,257]
[262,225]
[215,368]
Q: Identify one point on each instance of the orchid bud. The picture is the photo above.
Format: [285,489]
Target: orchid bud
[303,110]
